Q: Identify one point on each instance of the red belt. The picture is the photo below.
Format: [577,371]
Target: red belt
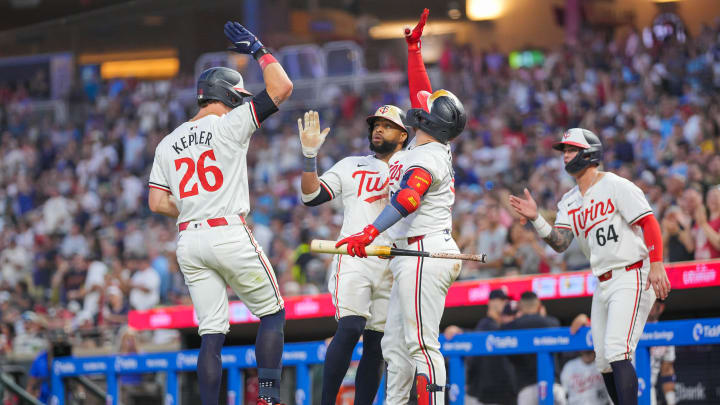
[414,239]
[212,222]
[608,274]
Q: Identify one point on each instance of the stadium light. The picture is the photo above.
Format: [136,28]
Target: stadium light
[478,10]
[160,68]
[394,29]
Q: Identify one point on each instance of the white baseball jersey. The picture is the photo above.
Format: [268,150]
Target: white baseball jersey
[602,221]
[362,182]
[583,383]
[435,211]
[202,157]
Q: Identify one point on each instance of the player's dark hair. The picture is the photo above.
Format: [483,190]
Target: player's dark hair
[205,103]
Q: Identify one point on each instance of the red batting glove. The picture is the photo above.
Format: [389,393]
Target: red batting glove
[356,243]
[413,38]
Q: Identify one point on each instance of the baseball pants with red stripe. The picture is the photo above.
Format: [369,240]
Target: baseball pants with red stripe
[620,308]
[212,258]
[361,286]
[417,301]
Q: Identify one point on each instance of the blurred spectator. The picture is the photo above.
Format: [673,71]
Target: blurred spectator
[583,382]
[662,360]
[69,281]
[525,249]
[677,238]
[490,379]
[144,284]
[7,334]
[116,308]
[94,286]
[30,334]
[708,233]
[491,240]
[531,315]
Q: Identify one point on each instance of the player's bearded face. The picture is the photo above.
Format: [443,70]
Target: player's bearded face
[385,137]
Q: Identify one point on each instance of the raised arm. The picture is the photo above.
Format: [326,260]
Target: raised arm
[418,79]
[277,83]
[311,140]
[557,237]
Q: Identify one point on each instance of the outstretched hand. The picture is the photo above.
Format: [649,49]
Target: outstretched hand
[311,138]
[526,207]
[243,40]
[413,37]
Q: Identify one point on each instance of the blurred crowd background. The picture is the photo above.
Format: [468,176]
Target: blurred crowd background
[79,247]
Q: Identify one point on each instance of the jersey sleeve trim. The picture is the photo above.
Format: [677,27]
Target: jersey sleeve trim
[564,226]
[327,188]
[261,107]
[253,113]
[158,186]
[641,216]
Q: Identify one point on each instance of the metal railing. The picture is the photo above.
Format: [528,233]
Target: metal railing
[542,342]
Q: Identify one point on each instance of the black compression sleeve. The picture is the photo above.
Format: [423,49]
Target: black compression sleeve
[263,106]
[324,196]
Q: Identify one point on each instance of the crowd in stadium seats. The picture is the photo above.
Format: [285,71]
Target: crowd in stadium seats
[79,247]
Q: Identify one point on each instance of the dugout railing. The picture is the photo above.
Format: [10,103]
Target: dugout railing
[542,342]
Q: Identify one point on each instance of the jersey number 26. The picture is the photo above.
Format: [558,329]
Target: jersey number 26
[202,172]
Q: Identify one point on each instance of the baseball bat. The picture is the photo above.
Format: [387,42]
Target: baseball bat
[328,246]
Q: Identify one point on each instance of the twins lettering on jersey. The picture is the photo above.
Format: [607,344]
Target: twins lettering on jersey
[371,182]
[586,219]
[395,171]
[192,139]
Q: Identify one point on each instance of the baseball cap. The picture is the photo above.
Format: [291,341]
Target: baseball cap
[390,113]
[498,294]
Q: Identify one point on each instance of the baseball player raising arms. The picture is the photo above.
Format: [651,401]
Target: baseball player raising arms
[202,164]
[619,234]
[360,288]
[418,217]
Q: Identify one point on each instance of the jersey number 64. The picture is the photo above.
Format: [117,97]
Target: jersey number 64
[202,172]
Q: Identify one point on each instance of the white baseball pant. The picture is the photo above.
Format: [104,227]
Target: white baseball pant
[620,308]
[417,301]
[361,286]
[212,257]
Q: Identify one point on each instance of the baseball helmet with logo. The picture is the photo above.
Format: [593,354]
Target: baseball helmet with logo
[390,113]
[221,84]
[591,149]
[442,116]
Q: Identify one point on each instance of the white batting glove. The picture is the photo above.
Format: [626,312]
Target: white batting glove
[311,138]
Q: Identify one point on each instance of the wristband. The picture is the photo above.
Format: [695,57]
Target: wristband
[266,60]
[261,52]
[310,164]
[542,227]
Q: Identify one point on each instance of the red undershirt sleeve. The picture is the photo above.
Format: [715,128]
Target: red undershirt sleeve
[418,79]
[653,237]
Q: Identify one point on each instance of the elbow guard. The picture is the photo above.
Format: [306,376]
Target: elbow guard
[406,201]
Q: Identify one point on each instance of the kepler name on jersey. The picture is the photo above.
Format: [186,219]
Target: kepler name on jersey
[192,139]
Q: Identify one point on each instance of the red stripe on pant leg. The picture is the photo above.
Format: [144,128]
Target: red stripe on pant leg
[632,319]
[337,286]
[418,319]
[262,261]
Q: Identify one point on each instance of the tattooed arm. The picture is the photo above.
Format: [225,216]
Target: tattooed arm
[559,239]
